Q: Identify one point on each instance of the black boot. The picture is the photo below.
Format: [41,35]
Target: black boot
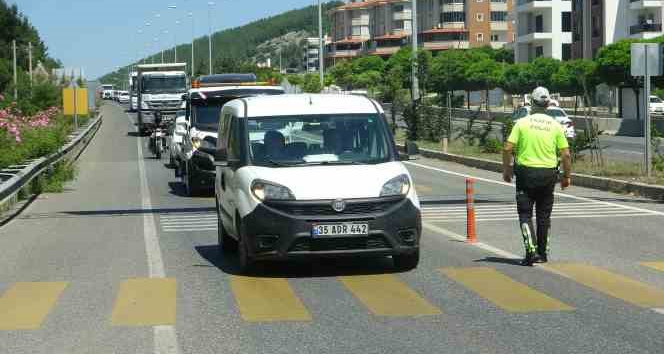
[529,259]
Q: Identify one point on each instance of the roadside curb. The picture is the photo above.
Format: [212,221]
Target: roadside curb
[600,183]
[10,205]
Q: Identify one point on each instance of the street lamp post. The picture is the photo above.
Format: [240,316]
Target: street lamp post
[210,4]
[416,86]
[175,47]
[193,39]
[321,63]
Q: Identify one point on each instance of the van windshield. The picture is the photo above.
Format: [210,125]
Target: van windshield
[319,140]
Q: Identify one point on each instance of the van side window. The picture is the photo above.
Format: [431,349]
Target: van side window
[234,139]
[222,140]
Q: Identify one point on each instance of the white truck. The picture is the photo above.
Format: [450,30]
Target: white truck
[200,125]
[107,91]
[159,93]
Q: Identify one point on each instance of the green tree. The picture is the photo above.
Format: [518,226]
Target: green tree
[518,79]
[295,80]
[342,73]
[542,70]
[311,83]
[486,74]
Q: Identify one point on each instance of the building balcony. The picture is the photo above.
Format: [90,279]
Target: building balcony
[339,54]
[498,44]
[360,21]
[384,51]
[453,25]
[645,27]
[453,7]
[536,5]
[402,16]
[498,6]
[443,45]
[498,25]
[645,4]
[565,37]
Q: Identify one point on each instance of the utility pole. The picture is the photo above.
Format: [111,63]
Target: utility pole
[416,86]
[175,38]
[30,61]
[15,72]
[321,48]
[193,39]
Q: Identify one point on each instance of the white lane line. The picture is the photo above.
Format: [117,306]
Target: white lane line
[501,253]
[187,227]
[165,338]
[570,196]
[552,217]
[514,213]
[184,216]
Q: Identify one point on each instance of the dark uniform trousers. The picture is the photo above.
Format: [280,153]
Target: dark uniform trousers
[534,187]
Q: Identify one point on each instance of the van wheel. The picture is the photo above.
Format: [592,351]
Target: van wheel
[406,262]
[227,244]
[246,263]
[189,184]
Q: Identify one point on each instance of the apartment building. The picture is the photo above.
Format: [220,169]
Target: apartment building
[382,27]
[596,23]
[310,57]
[543,28]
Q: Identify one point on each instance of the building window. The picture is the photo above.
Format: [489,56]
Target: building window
[397,8]
[567,51]
[498,16]
[567,21]
[495,38]
[479,17]
[480,0]
[456,16]
[539,51]
[480,37]
[513,37]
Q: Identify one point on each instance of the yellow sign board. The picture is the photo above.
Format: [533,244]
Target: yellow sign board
[81,101]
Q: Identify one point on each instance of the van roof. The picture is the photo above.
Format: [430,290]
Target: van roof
[307,104]
[229,88]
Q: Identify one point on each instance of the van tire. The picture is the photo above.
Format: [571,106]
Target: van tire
[227,244]
[188,179]
[406,262]
[245,262]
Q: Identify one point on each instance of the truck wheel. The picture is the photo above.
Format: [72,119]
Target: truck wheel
[406,262]
[227,244]
[189,181]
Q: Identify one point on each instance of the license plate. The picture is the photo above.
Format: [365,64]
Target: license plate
[343,229]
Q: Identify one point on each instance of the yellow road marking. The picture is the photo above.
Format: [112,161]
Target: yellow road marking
[615,285]
[654,265]
[145,302]
[386,295]
[504,292]
[26,305]
[267,300]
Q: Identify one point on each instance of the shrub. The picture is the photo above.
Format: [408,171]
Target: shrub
[492,146]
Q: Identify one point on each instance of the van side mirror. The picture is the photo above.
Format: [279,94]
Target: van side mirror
[184,96]
[412,150]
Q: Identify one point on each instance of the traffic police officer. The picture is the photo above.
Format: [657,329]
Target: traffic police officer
[536,142]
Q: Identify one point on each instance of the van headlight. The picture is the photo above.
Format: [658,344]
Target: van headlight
[270,191]
[399,185]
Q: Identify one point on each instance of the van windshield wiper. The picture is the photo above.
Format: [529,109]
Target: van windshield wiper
[333,163]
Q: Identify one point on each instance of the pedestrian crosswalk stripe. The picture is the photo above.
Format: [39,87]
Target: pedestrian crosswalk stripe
[188,222]
[386,295]
[145,302]
[612,284]
[267,300]
[654,265]
[504,292]
[26,305]
[497,211]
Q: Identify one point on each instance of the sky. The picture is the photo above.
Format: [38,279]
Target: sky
[98,36]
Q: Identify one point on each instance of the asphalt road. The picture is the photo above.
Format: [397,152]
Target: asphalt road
[123,263]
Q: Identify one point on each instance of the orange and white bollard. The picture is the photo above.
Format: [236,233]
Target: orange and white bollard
[471,236]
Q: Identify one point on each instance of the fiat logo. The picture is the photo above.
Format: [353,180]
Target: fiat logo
[339,205]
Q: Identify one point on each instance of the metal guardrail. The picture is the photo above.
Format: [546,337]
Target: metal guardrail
[10,187]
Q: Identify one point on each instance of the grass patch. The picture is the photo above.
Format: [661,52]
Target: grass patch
[456,147]
[54,181]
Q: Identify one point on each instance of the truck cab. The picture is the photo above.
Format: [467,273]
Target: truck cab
[133,96]
[159,93]
[201,124]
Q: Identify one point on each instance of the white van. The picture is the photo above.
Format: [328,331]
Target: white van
[312,175]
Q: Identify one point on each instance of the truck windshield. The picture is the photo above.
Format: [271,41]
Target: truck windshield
[319,140]
[163,84]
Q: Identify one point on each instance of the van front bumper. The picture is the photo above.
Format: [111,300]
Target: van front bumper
[278,231]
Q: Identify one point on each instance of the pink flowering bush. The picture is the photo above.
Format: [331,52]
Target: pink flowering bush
[25,137]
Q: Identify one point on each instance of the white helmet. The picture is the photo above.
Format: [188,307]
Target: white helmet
[541,96]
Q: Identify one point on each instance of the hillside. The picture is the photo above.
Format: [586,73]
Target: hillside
[15,25]
[236,46]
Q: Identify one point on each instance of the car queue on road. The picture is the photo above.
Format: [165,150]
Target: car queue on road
[295,176]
